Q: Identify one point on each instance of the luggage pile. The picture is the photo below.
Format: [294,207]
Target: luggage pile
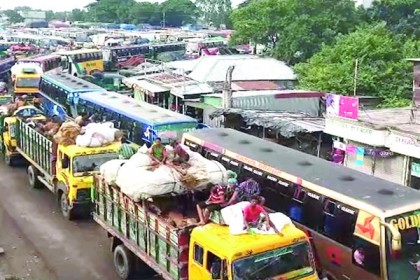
[152,180]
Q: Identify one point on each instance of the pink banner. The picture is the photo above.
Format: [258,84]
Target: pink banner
[342,106]
[349,107]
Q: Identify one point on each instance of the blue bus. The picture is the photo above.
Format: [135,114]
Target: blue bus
[141,121]
[6,64]
[61,89]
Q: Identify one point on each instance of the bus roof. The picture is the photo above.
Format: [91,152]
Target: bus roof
[39,58]
[82,51]
[71,83]
[378,195]
[136,110]
[127,47]
[235,246]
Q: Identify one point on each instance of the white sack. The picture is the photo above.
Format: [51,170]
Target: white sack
[234,218]
[109,170]
[165,179]
[146,183]
[86,140]
[106,130]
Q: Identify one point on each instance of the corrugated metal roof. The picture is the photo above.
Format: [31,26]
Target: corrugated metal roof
[247,68]
[287,124]
[255,85]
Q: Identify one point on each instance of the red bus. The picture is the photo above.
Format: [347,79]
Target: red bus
[47,62]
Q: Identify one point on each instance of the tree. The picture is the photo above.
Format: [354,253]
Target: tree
[13,16]
[110,11]
[295,30]
[401,16]
[382,71]
[146,12]
[215,12]
[77,15]
[179,12]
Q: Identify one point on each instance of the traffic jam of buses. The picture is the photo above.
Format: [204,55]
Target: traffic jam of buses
[130,143]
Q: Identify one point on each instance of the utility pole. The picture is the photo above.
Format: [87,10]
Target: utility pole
[227,88]
[163,19]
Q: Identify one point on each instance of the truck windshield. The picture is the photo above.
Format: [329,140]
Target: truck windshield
[405,264]
[85,165]
[290,262]
[27,82]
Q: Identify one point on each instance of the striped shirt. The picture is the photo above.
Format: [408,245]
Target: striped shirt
[247,189]
[126,151]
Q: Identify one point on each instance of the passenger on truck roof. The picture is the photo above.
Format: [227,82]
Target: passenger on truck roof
[213,203]
[127,150]
[180,155]
[158,152]
[253,212]
[245,190]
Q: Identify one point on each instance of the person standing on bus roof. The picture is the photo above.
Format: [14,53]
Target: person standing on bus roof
[158,152]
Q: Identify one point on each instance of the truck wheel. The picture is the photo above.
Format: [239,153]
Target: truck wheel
[123,262]
[33,178]
[65,207]
[9,160]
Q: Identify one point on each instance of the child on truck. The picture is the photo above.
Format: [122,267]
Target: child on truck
[214,203]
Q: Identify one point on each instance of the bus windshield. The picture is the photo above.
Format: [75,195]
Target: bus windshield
[406,264]
[27,82]
[290,262]
[86,164]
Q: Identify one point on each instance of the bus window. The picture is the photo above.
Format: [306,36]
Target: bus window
[338,222]
[366,255]
[295,210]
[312,210]
[277,194]
[234,165]
[211,155]
[193,146]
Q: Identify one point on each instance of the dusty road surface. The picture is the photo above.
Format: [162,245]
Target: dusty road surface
[39,243]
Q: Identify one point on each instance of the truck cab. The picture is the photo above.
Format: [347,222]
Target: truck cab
[74,170]
[216,254]
[27,82]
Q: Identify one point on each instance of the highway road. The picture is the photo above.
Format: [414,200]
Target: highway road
[39,243]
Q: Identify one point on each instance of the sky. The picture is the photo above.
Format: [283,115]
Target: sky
[58,5]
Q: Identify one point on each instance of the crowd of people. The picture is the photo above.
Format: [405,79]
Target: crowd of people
[223,196]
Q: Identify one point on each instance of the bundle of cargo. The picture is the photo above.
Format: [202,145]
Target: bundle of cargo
[156,180]
[91,135]
[67,134]
[97,135]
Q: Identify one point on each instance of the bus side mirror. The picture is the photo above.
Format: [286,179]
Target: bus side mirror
[395,240]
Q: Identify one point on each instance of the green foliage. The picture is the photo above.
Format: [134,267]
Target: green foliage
[401,16]
[215,12]
[13,16]
[382,71]
[294,29]
[176,12]
[179,12]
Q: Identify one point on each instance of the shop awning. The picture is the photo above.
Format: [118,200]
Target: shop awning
[149,87]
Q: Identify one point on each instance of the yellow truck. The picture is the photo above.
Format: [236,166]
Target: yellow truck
[186,251]
[67,171]
[26,82]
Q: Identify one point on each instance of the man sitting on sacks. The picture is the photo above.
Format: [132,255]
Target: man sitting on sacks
[158,152]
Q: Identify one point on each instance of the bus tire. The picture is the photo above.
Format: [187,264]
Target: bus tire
[123,262]
[34,182]
[65,209]
[9,160]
